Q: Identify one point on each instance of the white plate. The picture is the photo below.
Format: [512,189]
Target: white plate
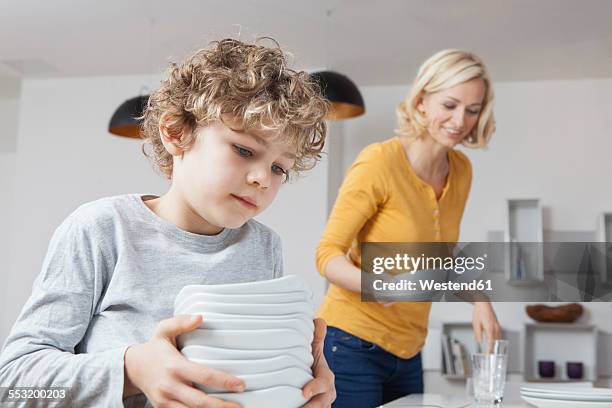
[590,391]
[293,377]
[246,339]
[230,316]
[242,367]
[257,309]
[555,403]
[277,397]
[304,326]
[289,283]
[567,397]
[219,353]
[556,386]
[282,297]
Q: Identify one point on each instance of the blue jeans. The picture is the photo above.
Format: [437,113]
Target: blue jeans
[366,375]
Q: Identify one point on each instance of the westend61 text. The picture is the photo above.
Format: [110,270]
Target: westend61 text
[429,285]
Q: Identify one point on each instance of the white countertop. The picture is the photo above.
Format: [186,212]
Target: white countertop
[444,401]
[512,397]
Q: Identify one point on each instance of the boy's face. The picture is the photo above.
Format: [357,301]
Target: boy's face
[228,176]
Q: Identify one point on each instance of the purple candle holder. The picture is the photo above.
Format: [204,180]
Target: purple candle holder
[546,369]
[574,370]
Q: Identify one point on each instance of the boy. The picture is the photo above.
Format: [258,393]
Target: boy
[227,126]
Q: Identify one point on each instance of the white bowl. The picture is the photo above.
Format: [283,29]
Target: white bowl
[282,297]
[293,377]
[304,326]
[260,309]
[303,354]
[245,339]
[289,283]
[276,397]
[263,365]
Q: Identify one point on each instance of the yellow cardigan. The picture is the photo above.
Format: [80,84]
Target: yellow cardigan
[383,200]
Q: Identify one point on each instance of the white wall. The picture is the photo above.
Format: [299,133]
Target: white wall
[7,188]
[9,118]
[9,110]
[9,114]
[553,142]
[66,158]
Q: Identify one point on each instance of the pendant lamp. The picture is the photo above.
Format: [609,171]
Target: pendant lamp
[346,100]
[125,120]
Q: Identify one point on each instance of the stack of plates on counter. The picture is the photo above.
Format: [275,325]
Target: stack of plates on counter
[259,331]
[558,396]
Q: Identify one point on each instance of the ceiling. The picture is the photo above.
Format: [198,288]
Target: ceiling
[374,42]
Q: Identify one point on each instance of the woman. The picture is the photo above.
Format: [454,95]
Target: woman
[410,188]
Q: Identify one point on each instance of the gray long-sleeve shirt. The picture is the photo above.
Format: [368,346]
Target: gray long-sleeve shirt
[111,273]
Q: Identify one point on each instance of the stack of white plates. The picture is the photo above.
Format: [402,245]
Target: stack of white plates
[557,396]
[260,332]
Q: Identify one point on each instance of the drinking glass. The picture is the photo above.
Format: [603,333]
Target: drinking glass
[498,347]
[489,379]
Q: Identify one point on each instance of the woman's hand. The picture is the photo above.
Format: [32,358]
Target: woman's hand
[484,319]
[166,377]
[321,390]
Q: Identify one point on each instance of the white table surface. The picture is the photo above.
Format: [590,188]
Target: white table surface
[444,401]
[512,397]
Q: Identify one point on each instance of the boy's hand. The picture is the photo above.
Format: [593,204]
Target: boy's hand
[165,376]
[321,390]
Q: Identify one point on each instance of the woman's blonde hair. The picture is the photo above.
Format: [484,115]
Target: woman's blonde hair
[249,83]
[442,71]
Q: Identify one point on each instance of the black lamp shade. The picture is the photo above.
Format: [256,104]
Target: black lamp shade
[345,98]
[124,121]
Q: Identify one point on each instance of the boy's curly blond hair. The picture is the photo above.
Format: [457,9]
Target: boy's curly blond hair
[249,83]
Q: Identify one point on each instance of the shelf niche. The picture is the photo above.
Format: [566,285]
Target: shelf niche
[603,256]
[464,333]
[561,343]
[524,258]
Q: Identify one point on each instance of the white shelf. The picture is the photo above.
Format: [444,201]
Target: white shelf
[603,256]
[560,342]
[524,260]
[464,333]
[606,227]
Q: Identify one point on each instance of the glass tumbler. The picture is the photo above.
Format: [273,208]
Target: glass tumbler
[489,379]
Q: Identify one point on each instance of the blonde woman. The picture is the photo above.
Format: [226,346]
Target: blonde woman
[411,188]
